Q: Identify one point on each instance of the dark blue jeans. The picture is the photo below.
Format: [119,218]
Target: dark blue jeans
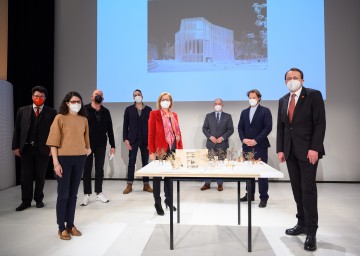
[99,154]
[262,182]
[132,159]
[68,186]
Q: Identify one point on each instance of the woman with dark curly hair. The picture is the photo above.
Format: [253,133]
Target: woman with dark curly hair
[69,142]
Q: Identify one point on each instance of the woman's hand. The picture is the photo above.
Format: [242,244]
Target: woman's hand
[88,151]
[152,156]
[58,170]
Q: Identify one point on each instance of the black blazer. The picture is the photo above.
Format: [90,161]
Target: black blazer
[224,128]
[259,128]
[22,125]
[307,130]
[130,125]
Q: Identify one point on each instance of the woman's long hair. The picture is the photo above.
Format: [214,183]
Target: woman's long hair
[64,109]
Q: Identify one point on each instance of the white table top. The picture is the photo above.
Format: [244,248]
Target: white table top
[238,170]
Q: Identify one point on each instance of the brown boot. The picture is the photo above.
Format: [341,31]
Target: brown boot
[128,189]
[147,188]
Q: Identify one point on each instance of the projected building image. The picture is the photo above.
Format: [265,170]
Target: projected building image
[191,36]
[200,41]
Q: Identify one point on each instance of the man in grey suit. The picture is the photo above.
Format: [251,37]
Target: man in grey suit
[218,127]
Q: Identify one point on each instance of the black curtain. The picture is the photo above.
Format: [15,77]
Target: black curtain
[31,53]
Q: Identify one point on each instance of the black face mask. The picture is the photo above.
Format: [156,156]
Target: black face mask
[98,99]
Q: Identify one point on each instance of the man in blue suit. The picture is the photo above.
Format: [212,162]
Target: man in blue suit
[218,127]
[255,125]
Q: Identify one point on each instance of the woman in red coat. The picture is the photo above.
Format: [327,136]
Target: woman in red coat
[164,135]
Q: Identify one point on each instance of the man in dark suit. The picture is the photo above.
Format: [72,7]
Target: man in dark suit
[135,136]
[218,127]
[255,125]
[32,128]
[300,136]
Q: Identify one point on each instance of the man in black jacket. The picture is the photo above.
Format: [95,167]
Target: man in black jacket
[300,142]
[135,136]
[100,129]
[32,128]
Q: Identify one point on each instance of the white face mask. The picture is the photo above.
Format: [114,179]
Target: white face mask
[218,108]
[253,102]
[138,99]
[165,104]
[75,107]
[293,85]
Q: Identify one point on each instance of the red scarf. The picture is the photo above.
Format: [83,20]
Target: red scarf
[171,129]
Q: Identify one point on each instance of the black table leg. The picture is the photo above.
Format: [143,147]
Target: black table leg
[171,218]
[248,183]
[238,201]
[178,201]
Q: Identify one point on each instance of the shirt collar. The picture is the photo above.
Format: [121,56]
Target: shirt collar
[297,93]
[40,107]
[254,108]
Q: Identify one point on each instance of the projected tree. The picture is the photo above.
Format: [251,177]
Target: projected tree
[253,44]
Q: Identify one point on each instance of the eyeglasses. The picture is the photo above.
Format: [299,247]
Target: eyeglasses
[75,101]
[39,96]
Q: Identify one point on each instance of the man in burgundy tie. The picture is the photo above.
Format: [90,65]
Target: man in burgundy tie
[32,128]
[218,127]
[300,142]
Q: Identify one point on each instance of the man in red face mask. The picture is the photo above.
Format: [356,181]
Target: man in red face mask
[32,128]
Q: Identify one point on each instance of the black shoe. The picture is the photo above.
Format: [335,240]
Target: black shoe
[40,204]
[263,204]
[244,199]
[310,243]
[159,209]
[22,207]
[297,230]
[170,205]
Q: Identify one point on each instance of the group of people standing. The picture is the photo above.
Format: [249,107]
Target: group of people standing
[79,134]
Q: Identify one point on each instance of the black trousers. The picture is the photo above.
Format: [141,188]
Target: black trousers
[132,159]
[68,186]
[303,183]
[33,167]
[167,185]
[156,190]
[99,154]
[263,183]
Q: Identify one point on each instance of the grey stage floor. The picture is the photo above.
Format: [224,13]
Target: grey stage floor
[128,224]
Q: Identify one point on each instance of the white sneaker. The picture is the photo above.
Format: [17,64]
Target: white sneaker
[85,200]
[102,198]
